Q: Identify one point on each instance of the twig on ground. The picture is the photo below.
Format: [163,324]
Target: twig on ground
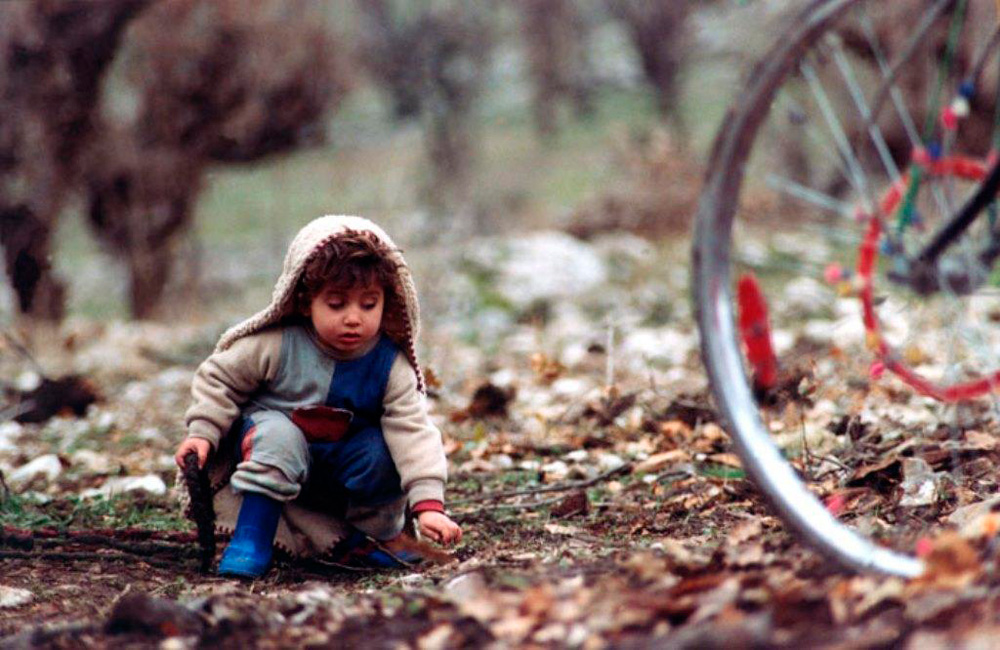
[575,485]
[807,464]
[511,506]
[833,459]
[22,350]
[89,556]
[40,635]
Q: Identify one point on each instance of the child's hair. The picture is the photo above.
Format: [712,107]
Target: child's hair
[347,261]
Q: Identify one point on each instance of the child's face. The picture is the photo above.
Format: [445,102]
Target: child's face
[347,319]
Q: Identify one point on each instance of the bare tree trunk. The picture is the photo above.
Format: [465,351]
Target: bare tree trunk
[140,202]
[453,52]
[53,56]
[235,87]
[659,31]
[555,36]
[389,42]
[26,244]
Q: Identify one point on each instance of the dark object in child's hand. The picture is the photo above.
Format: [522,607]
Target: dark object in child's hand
[322,423]
[200,509]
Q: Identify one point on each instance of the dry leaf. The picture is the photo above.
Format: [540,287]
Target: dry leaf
[656,462]
[727,459]
[951,562]
[546,369]
[559,529]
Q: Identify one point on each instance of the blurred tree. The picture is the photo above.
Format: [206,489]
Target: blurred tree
[454,54]
[53,57]
[659,30]
[228,81]
[388,43]
[431,57]
[231,81]
[555,35]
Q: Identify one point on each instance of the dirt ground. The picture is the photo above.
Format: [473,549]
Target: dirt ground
[687,558]
[601,501]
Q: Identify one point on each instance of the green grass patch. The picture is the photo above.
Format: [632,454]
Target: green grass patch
[125,511]
[725,472]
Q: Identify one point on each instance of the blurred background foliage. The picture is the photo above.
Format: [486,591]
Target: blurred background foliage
[155,154]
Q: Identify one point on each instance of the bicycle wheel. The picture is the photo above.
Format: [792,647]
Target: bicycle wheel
[844,256]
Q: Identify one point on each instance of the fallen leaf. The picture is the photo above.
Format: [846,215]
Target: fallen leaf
[573,504]
[546,369]
[727,459]
[656,462]
[951,563]
[559,529]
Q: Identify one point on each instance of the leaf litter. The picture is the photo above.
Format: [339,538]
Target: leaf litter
[596,513]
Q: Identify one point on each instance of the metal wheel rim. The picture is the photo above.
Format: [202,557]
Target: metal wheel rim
[712,296]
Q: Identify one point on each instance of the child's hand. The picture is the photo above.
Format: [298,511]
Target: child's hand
[439,527]
[197,445]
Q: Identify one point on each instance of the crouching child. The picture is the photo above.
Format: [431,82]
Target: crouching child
[311,414]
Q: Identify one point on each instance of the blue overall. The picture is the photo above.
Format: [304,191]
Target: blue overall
[354,477]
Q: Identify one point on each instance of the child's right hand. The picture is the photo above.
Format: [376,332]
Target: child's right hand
[197,445]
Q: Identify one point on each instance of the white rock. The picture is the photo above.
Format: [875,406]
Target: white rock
[573,355]
[624,244]
[47,466]
[753,252]
[543,265]
[92,461]
[150,483]
[607,462]
[38,498]
[174,378]
[555,470]
[11,597]
[577,456]
[821,331]
[136,391]
[466,586]
[105,420]
[783,340]
[150,434]
[9,432]
[535,428]
[665,344]
[28,380]
[11,429]
[806,295]
[919,483]
[570,386]
[182,643]
[529,465]
[502,461]
[503,378]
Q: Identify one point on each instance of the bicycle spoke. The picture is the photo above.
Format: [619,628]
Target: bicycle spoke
[874,132]
[807,194]
[889,82]
[857,177]
[916,40]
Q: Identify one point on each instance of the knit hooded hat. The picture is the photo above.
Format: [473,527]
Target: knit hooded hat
[400,320]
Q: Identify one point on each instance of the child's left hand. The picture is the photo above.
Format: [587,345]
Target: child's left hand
[439,527]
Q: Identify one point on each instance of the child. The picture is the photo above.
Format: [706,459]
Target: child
[315,410]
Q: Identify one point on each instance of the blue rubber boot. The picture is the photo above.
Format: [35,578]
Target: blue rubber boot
[249,553]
